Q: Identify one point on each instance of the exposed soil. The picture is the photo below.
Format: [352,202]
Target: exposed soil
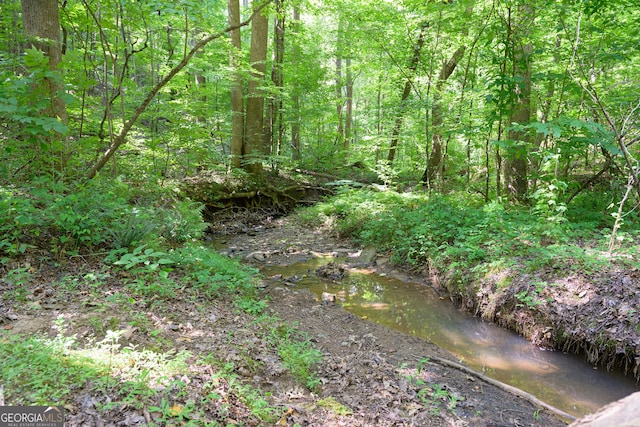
[369,375]
[366,366]
[595,314]
[573,308]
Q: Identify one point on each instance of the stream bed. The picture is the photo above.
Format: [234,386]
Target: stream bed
[564,381]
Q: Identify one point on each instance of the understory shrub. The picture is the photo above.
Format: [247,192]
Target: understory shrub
[100,213]
[461,235]
[212,273]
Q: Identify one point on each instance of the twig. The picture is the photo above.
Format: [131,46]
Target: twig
[591,180]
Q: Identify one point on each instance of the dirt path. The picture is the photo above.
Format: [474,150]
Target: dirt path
[383,376]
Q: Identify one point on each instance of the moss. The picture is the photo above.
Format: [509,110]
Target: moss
[334,406]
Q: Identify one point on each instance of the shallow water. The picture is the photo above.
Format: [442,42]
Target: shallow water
[564,381]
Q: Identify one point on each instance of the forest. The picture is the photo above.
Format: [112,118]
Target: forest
[489,146]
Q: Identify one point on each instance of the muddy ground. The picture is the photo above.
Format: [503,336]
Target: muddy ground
[366,365]
[369,375]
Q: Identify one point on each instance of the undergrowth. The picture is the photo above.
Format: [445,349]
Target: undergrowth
[152,255]
[468,239]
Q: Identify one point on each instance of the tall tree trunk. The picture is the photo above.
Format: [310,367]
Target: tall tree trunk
[339,82]
[515,165]
[120,138]
[254,147]
[275,101]
[42,27]
[395,134]
[237,104]
[295,92]
[434,163]
[348,117]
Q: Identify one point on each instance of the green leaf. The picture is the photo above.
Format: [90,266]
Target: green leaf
[35,58]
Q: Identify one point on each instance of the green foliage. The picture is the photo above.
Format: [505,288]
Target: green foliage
[212,274]
[150,272]
[433,395]
[18,279]
[70,219]
[144,260]
[248,303]
[38,371]
[21,106]
[531,297]
[78,220]
[34,375]
[66,219]
[29,138]
[137,228]
[464,238]
[182,222]
[20,222]
[41,371]
[298,355]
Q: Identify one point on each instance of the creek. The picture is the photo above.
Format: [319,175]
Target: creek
[562,380]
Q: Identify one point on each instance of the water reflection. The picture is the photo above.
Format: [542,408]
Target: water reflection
[564,381]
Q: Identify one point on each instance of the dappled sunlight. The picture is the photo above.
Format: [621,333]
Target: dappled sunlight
[580,291]
[375,306]
[63,360]
[510,364]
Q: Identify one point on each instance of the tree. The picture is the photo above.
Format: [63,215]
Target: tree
[275,122]
[237,104]
[295,90]
[126,128]
[254,146]
[434,162]
[515,166]
[339,78]
[395,134]
[42,27]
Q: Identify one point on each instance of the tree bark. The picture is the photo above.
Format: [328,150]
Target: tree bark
[276,124]
[405,93]
[339,82]
[295,92]
[42,27]
[516,162]
[237,104]
[348,118]
[254,147]
[515,165]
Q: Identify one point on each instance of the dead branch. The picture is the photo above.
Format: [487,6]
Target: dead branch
[506,387]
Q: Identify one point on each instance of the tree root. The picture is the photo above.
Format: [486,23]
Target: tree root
[506,387]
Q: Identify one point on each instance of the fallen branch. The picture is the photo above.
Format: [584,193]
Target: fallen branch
[589,181]
[318,174]
[506,387]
